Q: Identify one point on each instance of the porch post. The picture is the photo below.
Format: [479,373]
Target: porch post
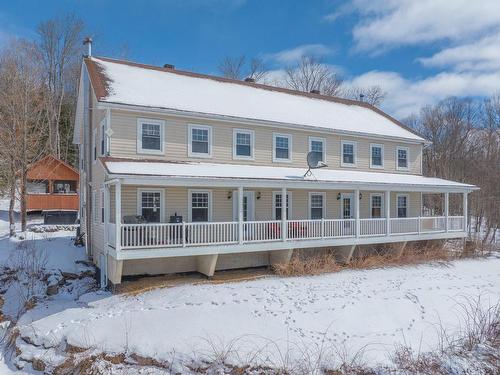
[284,217]
[464,206]
[240,215]
[446,209]
[387,197]
[356,202]
[106,213]
[118,215]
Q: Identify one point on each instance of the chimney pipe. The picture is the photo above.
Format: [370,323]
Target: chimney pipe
[250,80]
[88,42]
[314,91]
[169,66]
[361,97]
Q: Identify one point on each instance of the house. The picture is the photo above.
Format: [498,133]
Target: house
[52,190]
[182,171]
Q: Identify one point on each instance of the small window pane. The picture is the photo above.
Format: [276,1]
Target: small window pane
[199,139]
[348,153]
[402,158]
[282,148]
[377,156]
[151,137]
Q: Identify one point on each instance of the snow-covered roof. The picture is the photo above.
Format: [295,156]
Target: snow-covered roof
[135,84]
[212,171]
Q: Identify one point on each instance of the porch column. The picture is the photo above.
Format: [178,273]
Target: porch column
[446,210]
[118,215]
[240,215]
[464,205]
[356,202]
[106,213]
[387,206]
[284,217]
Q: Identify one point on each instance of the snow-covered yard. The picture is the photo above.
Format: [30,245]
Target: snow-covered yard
[272,321]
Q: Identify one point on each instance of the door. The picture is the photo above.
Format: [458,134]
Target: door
[347,206]
[248,206]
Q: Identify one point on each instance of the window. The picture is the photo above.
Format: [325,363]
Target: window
[316,204]
[277,204]
[200,206]
[200,141]
[376,156]
[94,206]
[348,154]
[282,147]
[402,201]
[317,145]
[150,136]
[103,137]
[376,205]
[150,205]
[102,205]
[402,156]
[243,144]
[94,146]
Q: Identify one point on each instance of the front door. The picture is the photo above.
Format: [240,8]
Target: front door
[347,206]
[248,206]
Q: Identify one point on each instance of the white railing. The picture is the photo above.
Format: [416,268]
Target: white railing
[432,224]
[455,223]
[339,228]
[158,235]
[405,225]
[261,231]
[372,227]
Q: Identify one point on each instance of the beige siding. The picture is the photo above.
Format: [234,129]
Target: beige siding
[124,144]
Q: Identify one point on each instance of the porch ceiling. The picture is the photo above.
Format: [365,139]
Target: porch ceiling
[153,172]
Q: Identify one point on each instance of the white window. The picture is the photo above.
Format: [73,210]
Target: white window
[95,210]
[103,138]
[376,156]
[200,205]
[317,145]
[348,154]
[150,205]
[243,144]
[402,158]
[376,205]
[102,206]
[94,146]
[150,134]
[282,148]
[277,204]
[316,206]
[200,141]
[402,205]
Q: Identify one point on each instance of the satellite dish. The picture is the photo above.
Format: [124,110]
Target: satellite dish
[314,161]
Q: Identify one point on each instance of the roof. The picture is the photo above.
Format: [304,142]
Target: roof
[51,168]
[128,83]
[212,172]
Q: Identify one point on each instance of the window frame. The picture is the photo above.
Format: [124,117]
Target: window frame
[407,149]
[382,208]
[162,201]
[102,142]
[252,144]
[290,142]
[323,206]
[140,123]
[381,146]
[323,141]
[355,153]
[190,203]
[407,205]
[289,194]
[192,154]
[94,146]
[103,207]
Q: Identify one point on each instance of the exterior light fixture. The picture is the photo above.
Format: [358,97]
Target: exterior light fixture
[229,194]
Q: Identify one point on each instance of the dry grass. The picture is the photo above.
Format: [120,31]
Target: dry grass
[314,265]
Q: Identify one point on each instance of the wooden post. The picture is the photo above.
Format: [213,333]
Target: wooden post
[387,197]
[240,215]
[356,202]
[446,210]
[118,215]
[464,204]
[284,217]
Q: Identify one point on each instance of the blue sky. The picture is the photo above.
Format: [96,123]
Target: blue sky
[418,51]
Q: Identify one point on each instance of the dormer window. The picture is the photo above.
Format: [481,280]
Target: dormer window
[200,141]
[150,136]
[402,156]
[348,154]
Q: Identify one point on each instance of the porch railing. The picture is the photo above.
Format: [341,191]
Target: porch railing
[158,235]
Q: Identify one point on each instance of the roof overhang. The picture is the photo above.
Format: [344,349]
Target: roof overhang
[222,175]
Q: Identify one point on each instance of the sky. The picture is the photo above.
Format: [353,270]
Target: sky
[418,52]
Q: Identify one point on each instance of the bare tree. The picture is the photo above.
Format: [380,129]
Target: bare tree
[238,68]
[59,46]
[311,74]
[373,95]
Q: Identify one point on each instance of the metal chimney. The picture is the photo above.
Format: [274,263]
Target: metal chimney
[250,80]
[88,42]
[314,91]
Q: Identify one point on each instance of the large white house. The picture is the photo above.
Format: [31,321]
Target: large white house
[188,172]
